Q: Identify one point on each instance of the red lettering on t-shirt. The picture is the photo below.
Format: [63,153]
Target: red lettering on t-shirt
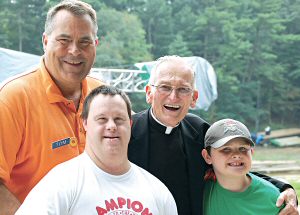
[146,212]
[128,203]
[121,202]
[111,205]
[137,206]
[101,211]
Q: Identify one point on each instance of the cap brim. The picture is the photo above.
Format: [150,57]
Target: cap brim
[225,140]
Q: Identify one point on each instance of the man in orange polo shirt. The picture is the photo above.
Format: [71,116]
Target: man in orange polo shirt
[40,110]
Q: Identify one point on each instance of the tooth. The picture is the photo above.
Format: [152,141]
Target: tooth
[74,62]
[236,164]
[173,106]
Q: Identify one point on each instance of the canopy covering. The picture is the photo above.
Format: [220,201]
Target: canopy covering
[206,79]
[15,62]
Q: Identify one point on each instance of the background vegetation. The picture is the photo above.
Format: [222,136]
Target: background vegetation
[253,46]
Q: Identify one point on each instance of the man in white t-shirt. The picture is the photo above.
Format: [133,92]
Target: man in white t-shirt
[101,180]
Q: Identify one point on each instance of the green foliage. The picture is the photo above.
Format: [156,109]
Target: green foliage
[253,46]
[122,39]
[138,101]
[19,21]
[179,47]
[157,21]
[296,185]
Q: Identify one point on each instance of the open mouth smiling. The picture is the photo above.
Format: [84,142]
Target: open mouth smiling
[73,62]
[236,164]
[172,107]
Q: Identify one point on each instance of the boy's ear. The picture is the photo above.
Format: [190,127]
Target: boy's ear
[252,150]
[206,156]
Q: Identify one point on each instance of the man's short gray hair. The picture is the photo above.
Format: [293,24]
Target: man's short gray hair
[76,7]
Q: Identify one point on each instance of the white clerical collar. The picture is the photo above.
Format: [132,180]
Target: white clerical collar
[168,128]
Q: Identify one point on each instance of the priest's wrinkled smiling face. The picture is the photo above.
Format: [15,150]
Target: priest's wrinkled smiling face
[172,91]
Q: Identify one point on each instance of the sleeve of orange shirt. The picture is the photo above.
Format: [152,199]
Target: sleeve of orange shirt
[10,135]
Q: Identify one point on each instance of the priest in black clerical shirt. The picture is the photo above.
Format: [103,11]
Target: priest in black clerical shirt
[167,141]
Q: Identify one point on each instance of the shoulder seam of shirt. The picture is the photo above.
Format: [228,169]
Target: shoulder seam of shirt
[10,79]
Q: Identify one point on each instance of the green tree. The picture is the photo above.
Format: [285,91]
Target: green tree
[179,47]
[253,46]
[122,39]
[288,52]
[20,23]
[5,29]
[124,5]
[157,21]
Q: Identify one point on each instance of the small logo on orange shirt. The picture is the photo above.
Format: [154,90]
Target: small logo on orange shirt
[73,141]
[70,140]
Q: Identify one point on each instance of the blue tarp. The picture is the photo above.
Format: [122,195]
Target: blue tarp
[15,62]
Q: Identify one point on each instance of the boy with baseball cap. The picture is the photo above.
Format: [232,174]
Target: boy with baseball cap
[230,188]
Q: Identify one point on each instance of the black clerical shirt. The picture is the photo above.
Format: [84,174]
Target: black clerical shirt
[167,161]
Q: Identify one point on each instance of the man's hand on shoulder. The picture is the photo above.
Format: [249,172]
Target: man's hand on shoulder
[288,197]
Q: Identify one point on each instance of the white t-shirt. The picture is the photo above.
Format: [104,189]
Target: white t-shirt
[78,186]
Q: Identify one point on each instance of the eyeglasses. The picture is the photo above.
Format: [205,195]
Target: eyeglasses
[167,90]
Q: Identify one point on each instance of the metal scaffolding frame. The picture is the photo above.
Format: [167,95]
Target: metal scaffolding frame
[125,79]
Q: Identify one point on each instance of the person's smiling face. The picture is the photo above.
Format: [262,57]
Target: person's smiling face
[70,48]
[107,130]
[171,108]
[232,159]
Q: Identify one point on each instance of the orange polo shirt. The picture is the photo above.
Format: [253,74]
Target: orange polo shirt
[39,128]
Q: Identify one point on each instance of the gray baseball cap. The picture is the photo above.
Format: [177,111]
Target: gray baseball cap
[225,130]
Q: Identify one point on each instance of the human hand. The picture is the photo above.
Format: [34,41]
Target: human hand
[288,197]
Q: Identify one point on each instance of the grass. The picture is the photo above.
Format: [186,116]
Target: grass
[296,185]
[277,154]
